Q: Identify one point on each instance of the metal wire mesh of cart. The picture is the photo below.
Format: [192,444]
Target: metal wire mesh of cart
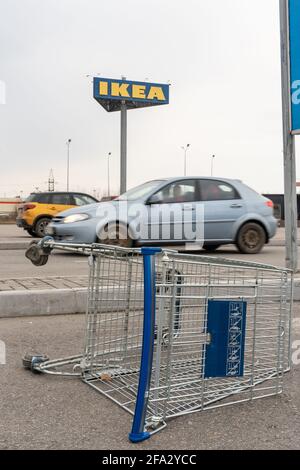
[221,333]
[114,326]
[209,363]
[115,323]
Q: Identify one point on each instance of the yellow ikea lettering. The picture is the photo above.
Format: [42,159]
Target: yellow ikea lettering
[138,91]
[103,88]
[156,92]
[120,89]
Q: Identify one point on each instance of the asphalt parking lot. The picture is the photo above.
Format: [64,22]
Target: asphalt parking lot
[47,412]
[14,264]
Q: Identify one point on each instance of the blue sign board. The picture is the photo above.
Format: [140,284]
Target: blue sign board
[226,324]
[110,93]
[294,20]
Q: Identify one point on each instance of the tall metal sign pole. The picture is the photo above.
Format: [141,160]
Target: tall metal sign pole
[290,190]
[123,95]
[123,165]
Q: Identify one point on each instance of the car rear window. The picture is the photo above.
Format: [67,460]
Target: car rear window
[32,198]
[42,198]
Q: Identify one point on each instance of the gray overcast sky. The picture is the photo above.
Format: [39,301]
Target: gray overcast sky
[222,58]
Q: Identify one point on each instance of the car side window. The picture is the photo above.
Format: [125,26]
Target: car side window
[43,198]
[217,191]
[178,192]
[63,199]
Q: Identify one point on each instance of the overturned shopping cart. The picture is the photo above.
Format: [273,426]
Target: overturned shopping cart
[169,334]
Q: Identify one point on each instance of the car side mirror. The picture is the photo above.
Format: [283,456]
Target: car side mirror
[154,199]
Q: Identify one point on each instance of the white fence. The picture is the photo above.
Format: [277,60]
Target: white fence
[9,208]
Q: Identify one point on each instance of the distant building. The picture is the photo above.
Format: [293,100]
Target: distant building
[278,200]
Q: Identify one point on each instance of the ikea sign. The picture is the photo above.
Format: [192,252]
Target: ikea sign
[294,33]
[111,93]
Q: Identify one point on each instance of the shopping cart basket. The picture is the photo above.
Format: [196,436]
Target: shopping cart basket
[169,334]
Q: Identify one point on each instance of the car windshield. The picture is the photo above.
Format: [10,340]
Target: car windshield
[140,191]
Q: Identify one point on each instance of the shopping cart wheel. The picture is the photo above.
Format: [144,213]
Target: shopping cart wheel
[36,254]
[30,361]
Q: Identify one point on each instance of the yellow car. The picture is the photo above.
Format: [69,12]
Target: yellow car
[39,208]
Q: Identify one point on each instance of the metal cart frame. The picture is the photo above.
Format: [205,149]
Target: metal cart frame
[169,334]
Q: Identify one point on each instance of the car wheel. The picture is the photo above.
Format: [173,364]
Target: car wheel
[40,226]
[210,248]
[116,235]
[251,238]
[31,232]
[29,361]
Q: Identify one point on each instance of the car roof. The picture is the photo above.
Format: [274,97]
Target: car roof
[62,192]
[188,178]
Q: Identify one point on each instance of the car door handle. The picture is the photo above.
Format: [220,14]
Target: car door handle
[188,208]
[236,206]
[52,208]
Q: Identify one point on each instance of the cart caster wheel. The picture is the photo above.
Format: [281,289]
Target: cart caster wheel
[36,254]
[30,361]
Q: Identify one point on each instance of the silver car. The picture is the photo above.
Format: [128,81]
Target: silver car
[218,211]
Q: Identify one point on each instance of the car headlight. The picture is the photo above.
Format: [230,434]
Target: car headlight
[75,218]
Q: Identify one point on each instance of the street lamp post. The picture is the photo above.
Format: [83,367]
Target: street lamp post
[212,165]
[68,162]
[185,149]
[108,185]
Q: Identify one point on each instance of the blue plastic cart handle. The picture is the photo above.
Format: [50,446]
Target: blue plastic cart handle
[138,433]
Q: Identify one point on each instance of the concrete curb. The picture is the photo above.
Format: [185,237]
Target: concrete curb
[54,302]
[22,244]
[278,243]
[42,302]
[61,302]
[18,245]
